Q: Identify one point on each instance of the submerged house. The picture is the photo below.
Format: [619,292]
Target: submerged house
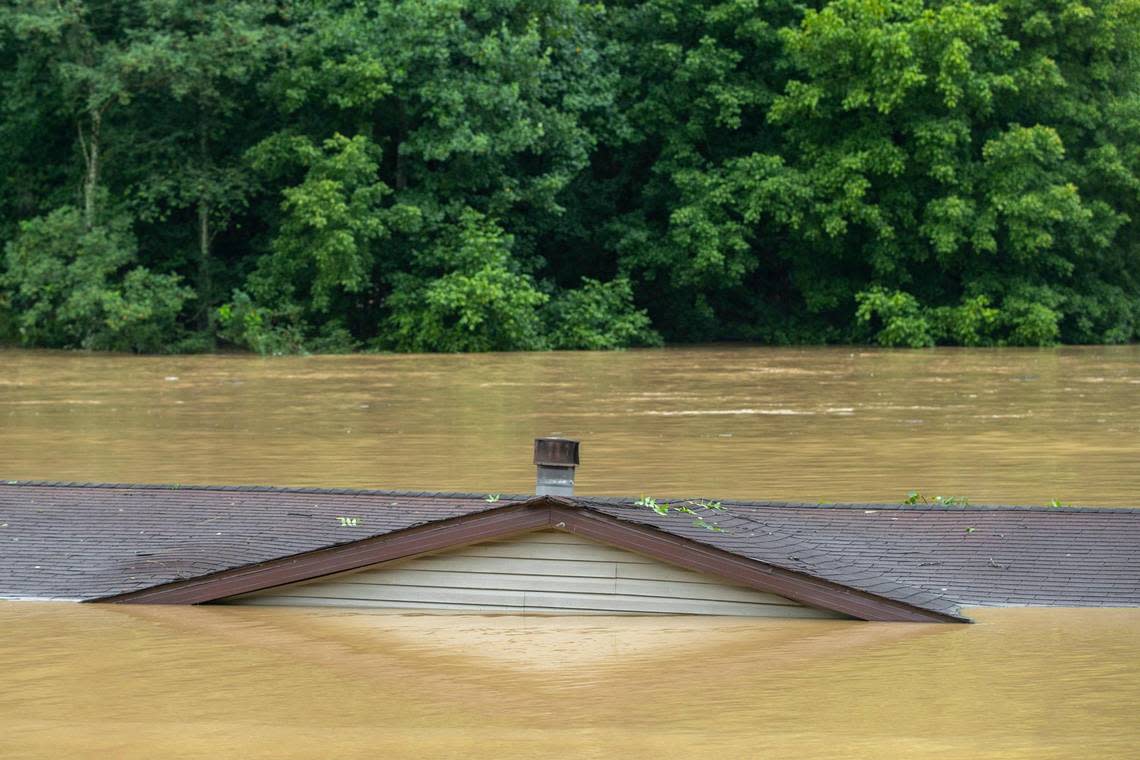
[553,552]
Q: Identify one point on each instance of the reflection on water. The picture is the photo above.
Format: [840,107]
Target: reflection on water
[97,681]
[832,424]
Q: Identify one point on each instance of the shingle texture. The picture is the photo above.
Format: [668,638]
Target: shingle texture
[970,556]
[87,541]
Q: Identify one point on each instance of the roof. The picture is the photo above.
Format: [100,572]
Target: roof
[182,543]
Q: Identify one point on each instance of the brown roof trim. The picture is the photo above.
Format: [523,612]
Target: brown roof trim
[806,589]
[444,534]
[535,514]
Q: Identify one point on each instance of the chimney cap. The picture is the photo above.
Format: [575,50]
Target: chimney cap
[557,452]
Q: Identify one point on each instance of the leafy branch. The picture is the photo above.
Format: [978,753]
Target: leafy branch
[685,507]
[915,497]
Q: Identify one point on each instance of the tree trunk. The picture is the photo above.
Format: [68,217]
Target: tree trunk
[91,159]
[204,235]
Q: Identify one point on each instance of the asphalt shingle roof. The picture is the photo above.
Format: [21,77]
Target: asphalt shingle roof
[88,541]
[974,556]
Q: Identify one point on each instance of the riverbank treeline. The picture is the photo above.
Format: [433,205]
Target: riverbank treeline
[454,175]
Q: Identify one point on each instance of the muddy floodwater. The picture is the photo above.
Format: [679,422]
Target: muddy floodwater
[834,424]
[224,682]
[830,424]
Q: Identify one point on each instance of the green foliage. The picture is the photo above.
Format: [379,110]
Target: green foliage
[651,503]
[971,323]
[140,313]
[1032,317]
[76,288]
[903,323]
[454,175]
[466,295]
[279,331]
[909,172]
[914,497]
[1028,319]
[260,329]
[598,316]
[328,222]
[686,507]
[7,326]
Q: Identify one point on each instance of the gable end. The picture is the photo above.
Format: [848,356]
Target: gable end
[538,513]
[546,572]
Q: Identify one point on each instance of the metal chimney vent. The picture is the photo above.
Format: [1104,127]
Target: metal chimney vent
[556,459]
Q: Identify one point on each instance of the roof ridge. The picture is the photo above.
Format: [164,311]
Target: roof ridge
[621,500]
[253,488]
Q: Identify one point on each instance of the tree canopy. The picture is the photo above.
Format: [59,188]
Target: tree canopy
[453,175]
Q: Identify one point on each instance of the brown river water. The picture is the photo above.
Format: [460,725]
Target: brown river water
[834,424]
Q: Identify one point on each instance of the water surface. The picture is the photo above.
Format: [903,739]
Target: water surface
[812,424]
[818,424]
[217,682]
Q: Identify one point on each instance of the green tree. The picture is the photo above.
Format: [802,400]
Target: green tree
[926,157]
[80,45]
[461,175]
[697,80]
[449,129]
[598,316]
[74,287]
[930,162]
[202,63]
[98,58]
[466,295]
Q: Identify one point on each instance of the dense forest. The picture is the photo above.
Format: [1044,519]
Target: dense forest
[471,175]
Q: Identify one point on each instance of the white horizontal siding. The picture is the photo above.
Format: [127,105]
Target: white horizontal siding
[541,572]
